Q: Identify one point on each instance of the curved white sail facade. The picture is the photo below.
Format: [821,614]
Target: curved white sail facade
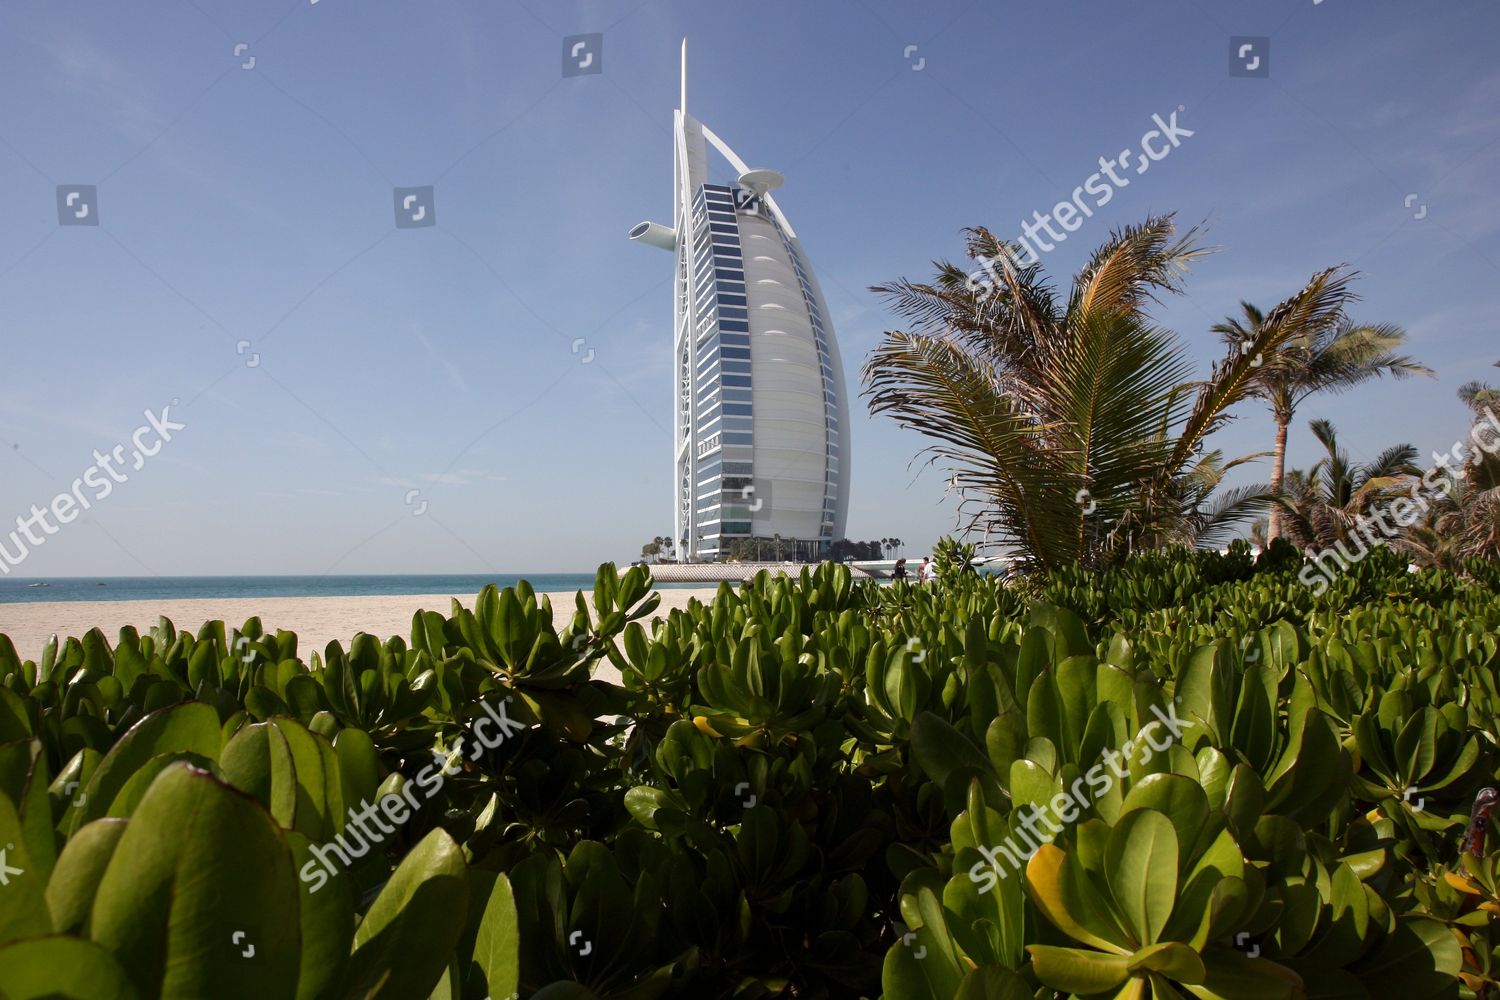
[760,416]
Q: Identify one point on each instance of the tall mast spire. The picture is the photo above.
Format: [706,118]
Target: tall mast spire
[682,103]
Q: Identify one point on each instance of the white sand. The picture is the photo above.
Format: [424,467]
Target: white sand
[316,620]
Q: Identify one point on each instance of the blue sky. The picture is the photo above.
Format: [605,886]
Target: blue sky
[256,204]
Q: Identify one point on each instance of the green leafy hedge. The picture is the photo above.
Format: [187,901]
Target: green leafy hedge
[808,788]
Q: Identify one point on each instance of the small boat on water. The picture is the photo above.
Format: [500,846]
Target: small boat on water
[39,583]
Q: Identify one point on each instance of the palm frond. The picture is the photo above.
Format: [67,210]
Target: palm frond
[994,446]
[1345,355]
[1136,263]
[1397,460]
[1224,517]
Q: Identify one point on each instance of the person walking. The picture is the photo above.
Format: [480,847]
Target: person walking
[932,573]
[899,573]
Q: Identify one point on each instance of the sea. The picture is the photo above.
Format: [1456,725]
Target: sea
[20,590]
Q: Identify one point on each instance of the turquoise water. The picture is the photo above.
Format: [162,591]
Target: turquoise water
[17,590]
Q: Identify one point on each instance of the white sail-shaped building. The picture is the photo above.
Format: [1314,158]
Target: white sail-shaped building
[760,416]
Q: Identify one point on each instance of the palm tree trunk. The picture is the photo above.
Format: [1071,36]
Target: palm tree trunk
[1278,471]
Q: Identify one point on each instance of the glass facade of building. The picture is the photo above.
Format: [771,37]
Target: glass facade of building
[723,389]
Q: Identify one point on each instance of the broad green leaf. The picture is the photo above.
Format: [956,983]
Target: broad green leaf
[80,867]
[1069,637]
[15,719]
[941,749]
[199,898]
[1172,959]
[24,913]
[991,982]
[188,727]
[61,968]
[1047,877]
[1419,961]
[1075,970]
[1345,921]
[402,946]
[245,763]
[1230,975]
[306,762]
[130,795]
[495,966]
[359,766]
[24,777]
[1141,863]
[1180,799]
[326,919]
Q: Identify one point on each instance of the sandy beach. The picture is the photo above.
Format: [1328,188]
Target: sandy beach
[316,620]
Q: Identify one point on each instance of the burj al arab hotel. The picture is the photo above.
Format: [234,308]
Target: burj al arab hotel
[760,427]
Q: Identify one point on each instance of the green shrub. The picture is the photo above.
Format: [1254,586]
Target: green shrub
[809,787]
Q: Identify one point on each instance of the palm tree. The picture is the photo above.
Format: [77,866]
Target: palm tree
[1328,504]
[1464,522]
[1460,524]
[1483,470]
[1073,425]
[1326,353]
[657,547]
[1192,515]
